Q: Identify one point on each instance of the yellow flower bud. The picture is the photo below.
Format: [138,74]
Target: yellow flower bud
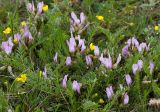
[15,41]
[100,18]
[101,101]
[156,28]
[23,23]
[45,8]
[22,78]
[91,46]
[7,30]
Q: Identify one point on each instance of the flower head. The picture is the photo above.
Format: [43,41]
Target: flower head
[142,46]
[55,58]
[96,51]
[7,30]
[45,8]
[22,78]
[118,60]
[40,7]
[72,45]
[100,18]
[23,23]
[109,92]
[135,42]
[125,51]
[82,17]
[30,7]
[107,62]
[151,66]
[140,64]
[64,82]
[76,86]
[7,46]
[88,60]
[91,46]
[128,79]
[156,28]
[126,99]
[101,101]
[27,34]
[68,61]
[17,38]
[135,68]
[74,17]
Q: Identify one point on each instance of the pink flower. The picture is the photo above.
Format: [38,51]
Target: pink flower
[151,66]
[74,17]
[140,64]
[72,45]
[68,61]
[128,79]
[118,60]
[143,46]
[125,51]
[7,46]
[82,17]
[107,62]
[40,7]
[83,47]
[64,82]
[55,58]
[129,42]
[135,42]
[81,43]
[27,34]
[135,68]
[109,92]
[17,37]
[30,7]
[88,60]
[96,51]
[126,99]
[76,86]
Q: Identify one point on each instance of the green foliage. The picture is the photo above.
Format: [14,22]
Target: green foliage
[123,19]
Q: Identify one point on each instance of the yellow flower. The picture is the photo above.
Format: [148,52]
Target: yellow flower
[15,41]
[91,46]
[22,78]
[21,30]
[101,101]
[7,30]
[101,18]
[45,8]
[156,28]
[23,23]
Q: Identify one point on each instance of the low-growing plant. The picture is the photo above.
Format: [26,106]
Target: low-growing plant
[79,55]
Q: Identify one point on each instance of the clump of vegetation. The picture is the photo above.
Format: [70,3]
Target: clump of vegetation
[79,55]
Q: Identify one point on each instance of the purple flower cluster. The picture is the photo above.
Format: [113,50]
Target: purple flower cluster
[19,38]
[137,67]
[76,86]
[7,46]
[31,7]
[132,44]
[78,24]
[107,62]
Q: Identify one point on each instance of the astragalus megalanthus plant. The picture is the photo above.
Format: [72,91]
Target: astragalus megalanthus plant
[80,56]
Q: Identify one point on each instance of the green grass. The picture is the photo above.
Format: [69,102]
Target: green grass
[123,19]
